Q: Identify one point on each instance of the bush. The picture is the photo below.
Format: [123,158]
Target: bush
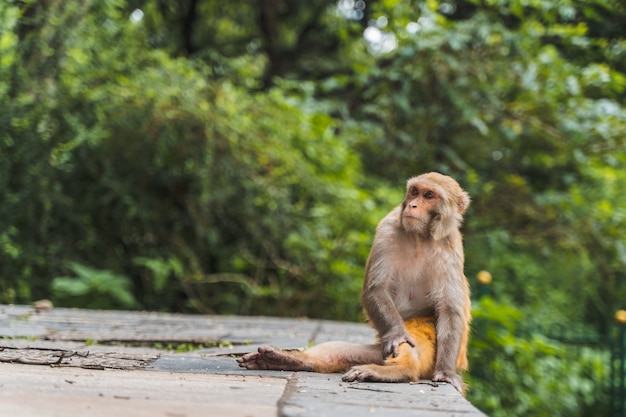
[512,375]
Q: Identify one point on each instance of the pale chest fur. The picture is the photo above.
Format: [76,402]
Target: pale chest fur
[417,274]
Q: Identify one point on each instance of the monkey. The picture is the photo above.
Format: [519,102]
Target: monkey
[415,295]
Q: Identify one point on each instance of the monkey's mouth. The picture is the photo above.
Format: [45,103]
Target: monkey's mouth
[407,216]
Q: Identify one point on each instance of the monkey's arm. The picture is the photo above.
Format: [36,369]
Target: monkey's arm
[381,309]
[376,295]
[383,314]
[451,326]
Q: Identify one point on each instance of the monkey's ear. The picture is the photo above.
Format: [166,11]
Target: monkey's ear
[463,202]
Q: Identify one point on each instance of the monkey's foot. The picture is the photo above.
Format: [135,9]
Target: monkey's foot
[268,357]
[370,373]
[450,377]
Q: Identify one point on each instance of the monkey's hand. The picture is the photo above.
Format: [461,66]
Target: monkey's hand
[392,340]
[450,377]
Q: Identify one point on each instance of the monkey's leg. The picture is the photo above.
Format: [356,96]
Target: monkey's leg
[326,357]
[411,364]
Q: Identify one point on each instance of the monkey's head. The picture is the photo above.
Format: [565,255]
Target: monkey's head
[433,206]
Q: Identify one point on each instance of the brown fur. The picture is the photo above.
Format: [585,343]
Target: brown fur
[414,293]
[363,362]
[411,364]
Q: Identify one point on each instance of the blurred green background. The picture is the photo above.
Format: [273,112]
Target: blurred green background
[234,158]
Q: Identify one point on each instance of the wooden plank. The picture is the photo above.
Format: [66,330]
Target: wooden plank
[79,359]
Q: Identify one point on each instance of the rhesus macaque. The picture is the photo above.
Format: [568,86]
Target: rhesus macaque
[415,295]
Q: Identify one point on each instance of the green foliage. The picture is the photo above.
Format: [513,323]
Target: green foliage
[93,288]
[209,196]
[235,157]
[491,102]
[512,375]
[187,347]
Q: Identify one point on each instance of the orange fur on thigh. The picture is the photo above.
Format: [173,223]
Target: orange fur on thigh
[418,362]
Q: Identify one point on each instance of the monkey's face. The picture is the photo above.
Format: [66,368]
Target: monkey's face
[419,208]
[433,205]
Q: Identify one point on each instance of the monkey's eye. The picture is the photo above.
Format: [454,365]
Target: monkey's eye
[428,195]
[414,191]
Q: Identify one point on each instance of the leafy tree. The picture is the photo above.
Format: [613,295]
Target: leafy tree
[235,158]
[531,375]
[199,190]
[491,97]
